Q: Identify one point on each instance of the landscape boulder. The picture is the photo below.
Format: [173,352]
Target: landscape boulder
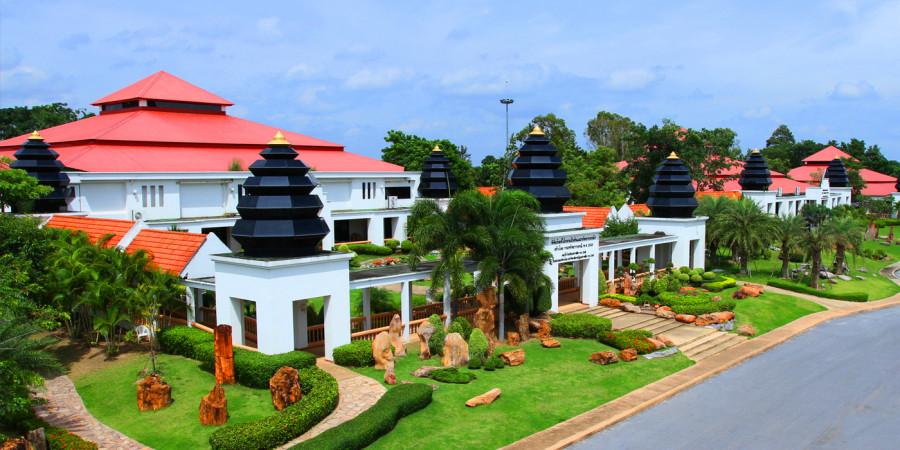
[550,343]
[484,317]
[424,371]
[513,357]
[389,376]
[604,358]
[543,331]
[629,354]
[395,332]
[425,332]
[37,439]
[285,387]
[723,316]
[665,313]
[456,351]
[704,320]
[630,307]
[685,318]
[611,302]
[860,278]
[224,355]
[381,350]
[214,407]
[512,338]
[657,343]
[746,330]
[153,394]
[522,327]
[665,340]
[862,270]
[484,399]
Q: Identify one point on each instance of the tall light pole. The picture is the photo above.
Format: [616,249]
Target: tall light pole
[506,101]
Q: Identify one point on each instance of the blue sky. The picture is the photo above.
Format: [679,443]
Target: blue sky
[348,72]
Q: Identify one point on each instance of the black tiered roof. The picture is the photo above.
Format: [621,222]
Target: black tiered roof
[536,170]
[672,194]
[437,180]
[279,217]
[756,175]
[36,158]
[837,174]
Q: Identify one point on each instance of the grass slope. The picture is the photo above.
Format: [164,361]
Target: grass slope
[770,311]
[110,397]
[552,386]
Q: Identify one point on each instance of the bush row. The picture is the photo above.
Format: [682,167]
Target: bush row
[400,401]
[370,249]
[718,286]
[251,369]
[694,303]
[320,397]
[881,223]
[850,296]
[354,354]
[620,297]
[579,325]
[636,339]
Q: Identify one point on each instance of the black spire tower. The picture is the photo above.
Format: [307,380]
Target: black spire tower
[36,158]
[837,174]
[756,175]
[672,194]
[536,170]
[437,180]
[279,217]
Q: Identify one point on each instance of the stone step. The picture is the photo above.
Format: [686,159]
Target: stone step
[688,347]
[632,321]
[664,326]
[648,323]
[613,313]
[723,344]
[583,309]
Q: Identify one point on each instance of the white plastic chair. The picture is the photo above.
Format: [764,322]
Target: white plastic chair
[141,331]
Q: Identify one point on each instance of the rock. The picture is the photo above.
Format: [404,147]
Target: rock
[753,290]
[723,316]
[685,318]
[604,358]
[381,350]
[665,340]
[832,281]
[425,332]
[214,407]
[550,343]
[224,355]
[491,345]
[533,325]
[746,330]
[153,394]
[704,320]
[663,308]
[861,278]
[395,331]
[543,331]
[456,351]
[424,371]
[389,376]
[513,357]
[37,439]
[662,354]
[656,343]
[522,326]
[611,302]
[665,314]
[630,307]
[826,274]
[845,277]
[285,388]
[885,243]
[715,298]
[629,354]
[610,288]
[406,382]
[14,444]
[862,270]
[484,399]
[484,317]
[512,338]
[718,270]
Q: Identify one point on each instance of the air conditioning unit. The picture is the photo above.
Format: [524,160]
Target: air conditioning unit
[392,202]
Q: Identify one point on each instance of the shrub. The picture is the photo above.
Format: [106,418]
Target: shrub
[436,342]
[478,345]
[475,363]
[462,326]
[850,297]
[364,429]
[683,277]
[542,299]
[693,272]
[881,223]
[452,375]
[406,246]
[251,369]
[684,269]
[694,303]
[355,263]
[354,354]
[579,325]
[636,339]
[709,276]
[391,244]
[57,438]
[498,361]
[696,278]
[876,254]
[370,249]
[343,248]
[320,397]
[489,365]
[622,297]
[717,286]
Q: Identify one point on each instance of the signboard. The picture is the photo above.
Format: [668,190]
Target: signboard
[573,248]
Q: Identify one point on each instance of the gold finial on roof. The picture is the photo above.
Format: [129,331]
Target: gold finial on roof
[436,149]
[537,131]
[755,150]
[279,140]
[35,136]
[672,156]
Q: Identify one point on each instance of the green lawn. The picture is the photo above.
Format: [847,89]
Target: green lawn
[770,311]
[109,395]
[552,386]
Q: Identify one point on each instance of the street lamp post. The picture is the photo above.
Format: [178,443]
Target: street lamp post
[506,101]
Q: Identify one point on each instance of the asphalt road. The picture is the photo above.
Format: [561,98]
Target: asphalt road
[835,386]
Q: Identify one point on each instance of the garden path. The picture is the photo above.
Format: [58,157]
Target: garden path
[64,409]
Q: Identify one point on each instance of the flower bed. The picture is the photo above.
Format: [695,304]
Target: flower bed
[636,339]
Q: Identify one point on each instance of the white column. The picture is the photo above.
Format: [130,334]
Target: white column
[634,255]
[230,311]
[406,306]
[551,271]
[190,297]
[612,266]
[337,319]
[653,264]
[273,319]
[447,305]
[301,334]
[590,281]
[367,307]
[376,230]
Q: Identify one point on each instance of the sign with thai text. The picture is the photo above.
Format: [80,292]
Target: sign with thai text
[574,248]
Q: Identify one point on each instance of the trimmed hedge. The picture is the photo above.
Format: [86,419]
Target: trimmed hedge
[462,326]
[694,303]
[251,369]
[320,397]
[371,249]
[452,375]
[621,297]
[436,341]
[355,354]
[391,244]
[478,345]
[579,325]
[406,246]
[364,429]
[636,339]
[850,297]
[718,286]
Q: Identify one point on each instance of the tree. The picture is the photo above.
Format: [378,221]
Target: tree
[17,187]
[844,237]
[779,149]
[816,238]
[747,229]
[782,136]
[492,171]
[714,207]
[20,120]
[410,151]
[618,227]
[787,232]
[609,130]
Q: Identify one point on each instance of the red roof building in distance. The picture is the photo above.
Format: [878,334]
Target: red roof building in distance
[165,124]
[594,217]
[93,227]
[877,184]
[169,250]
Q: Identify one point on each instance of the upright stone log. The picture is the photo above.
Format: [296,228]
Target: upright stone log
[484,317]
[214,407]
[456,351]
[395,332]
[425,332]
[381,351]
[522,326]
[285,388]
[224,359]
[153,394]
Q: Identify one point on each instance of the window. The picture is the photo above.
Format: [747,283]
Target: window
[149,195]
[161,197]
[144,196]
[399,192]
[183,105]
[152,196]
[368,190]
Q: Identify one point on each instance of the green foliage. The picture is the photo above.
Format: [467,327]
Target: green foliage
[235,165]
[579,325]
[478,345]
[364,429]
[694,303]
[683,277]
[882,223]
[497,361]
[718,286]
[850,296]
[410,151]
[354,354]
[462,326]
[452,375]
[475,363]
[391,244]
[57,438]
[621,297]
[609,130]
[320,397]
[636,339]
[436,341]
[406,246]
[684,269]
[17,188]
[618,227]
[696,278]
[19,120]
[251,369]
[370,249]
[343,248]
[876,253]
[542,299]
[489,364]
[709,276]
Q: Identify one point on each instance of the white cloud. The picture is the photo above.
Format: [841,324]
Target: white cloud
[301,71]
[378,78]
[757,113]
[269,26]
[309,96]
[853,91]
[630,79]
[411,125]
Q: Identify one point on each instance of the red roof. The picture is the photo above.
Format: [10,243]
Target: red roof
[94,227]
[640,208]
[595,217]
[877,184]
[163,86]
[730,194]
[826,155]
[170,250]
[622,164]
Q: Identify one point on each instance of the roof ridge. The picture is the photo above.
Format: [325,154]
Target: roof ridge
[131,116]
[153,80]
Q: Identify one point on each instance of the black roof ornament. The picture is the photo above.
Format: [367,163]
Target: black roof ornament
[756,175]
[672,194]
[537,171]
[437,180]
[36,158]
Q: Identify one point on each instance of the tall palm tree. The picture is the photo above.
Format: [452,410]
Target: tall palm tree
[787,232]
[746,229]
[714,207]
[844,237]
[813,241]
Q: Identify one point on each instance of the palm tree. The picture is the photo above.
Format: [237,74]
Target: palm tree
[787,231]
[814,241]
[747,229]
[714,207]
[844,237]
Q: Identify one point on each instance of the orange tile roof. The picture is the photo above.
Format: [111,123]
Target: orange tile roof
[595,217]
[94,227]
[488,190]
[170,250]
[731,194]
[640,209]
